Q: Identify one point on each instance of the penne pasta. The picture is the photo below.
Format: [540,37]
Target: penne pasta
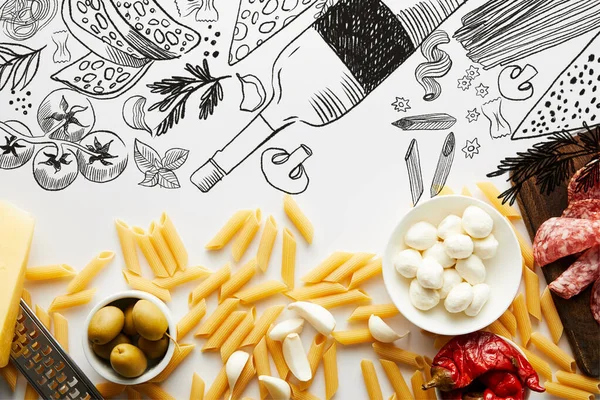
[567,392]
[262,364]
[132,394]
[231,227]
[26,296]
[298,394]
[169,233]
[49,272]
[369,271]
[30,393]
[550,314]
[71,300]
[326,267]
[191,319]
[218,387]
[559,356]
[466,192]
[538,363]
[150,254]
[509,321]
[180,354]
[288,259]
[61,330]
[345,270]
[315,353]
[128,247]
[371,380]
[153,391]
[493,195]
[526,248]
[145,285]
[440,341]
[162,249]
[416,382]
[267,240]
[522,317]
[216,340]
[354,336]
[320,289]
[363,313]
[261,326]
[337,300]
[578,381]
[179,278]
[499,329]
[210,284]
[396,380]
[197,390]
[233,342]
[396,354]
[330,371]
[276,351]
[237,280]
[110,389]
[247,374]
[300,221]
[43,316]
[83,278]
[246,235]
[446,190]
[260,291]
[216,319]
[10,375]
[532,293]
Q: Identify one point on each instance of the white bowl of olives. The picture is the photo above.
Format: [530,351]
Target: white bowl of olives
[130,337]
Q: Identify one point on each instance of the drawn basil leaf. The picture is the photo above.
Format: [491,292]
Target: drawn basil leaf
[175,158]
[150,179]
[145,157]
[167,179]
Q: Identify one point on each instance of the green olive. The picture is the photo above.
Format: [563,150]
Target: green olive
[154,349]
[105,325]
[104,350]
[128,327]
[128,361]
[149,320]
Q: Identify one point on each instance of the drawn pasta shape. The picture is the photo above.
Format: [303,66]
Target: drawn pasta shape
[413,167]
[83,278]
[437,66]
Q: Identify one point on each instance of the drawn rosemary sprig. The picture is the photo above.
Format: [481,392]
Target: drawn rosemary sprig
[178,90]
[550,164]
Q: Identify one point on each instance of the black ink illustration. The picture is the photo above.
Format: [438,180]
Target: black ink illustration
[501,32]
[285,171]
[570,100]
[322,6]
[471,148]
[124,40]
[444,165]
[499,126]
[258,21]
[22,19]
[434,122]
[205,9]
[157,170]
[134,113]
[413,167]
[514,82]
[21,102]
[177,91]
[401,104]
[365,42]
[472,72]
[18,65]
[106,159]
[551,163]
[464,83]
[437,66]
[66,115]
[210,42]
[253,93]
[12,153]
[472,115]
[481,90]
[62,53]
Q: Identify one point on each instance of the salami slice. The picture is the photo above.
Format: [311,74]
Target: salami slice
[584,209]
[574,195]
[579,275]
[559,237]
[595,301]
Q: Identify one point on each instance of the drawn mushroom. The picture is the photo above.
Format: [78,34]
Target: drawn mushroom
[284,171]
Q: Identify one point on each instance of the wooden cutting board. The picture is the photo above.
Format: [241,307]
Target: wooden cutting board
[582,331]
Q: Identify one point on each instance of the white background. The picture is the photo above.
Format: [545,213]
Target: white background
[358,189]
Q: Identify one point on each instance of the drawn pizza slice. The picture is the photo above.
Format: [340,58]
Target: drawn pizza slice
[259,20]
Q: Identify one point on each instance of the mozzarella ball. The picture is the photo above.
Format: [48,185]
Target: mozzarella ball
[422,298]
[421,236]
[451,225]
[458,246]
[477,222]
[407,262]
[459,298]
[429,274]
[451,278]
[438,253]
[481,294]
[471,269]
[485,248]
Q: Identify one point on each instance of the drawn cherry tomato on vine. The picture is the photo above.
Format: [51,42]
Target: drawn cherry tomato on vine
[52,172]
[108,159]
[13,152]
[67,107]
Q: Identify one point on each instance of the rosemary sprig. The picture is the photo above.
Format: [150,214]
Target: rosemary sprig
[178,90]
[550,164]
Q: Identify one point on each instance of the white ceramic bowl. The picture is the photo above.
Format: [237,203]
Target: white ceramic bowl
[103,366]
[503,271]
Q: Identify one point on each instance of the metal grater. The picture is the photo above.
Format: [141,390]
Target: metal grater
[45,364]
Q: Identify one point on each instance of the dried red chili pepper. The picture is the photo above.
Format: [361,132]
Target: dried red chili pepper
[467,357]
[502,385]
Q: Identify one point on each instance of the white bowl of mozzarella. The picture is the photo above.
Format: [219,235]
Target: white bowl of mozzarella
[452,265]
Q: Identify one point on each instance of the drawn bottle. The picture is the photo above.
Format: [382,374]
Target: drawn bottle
[328,69]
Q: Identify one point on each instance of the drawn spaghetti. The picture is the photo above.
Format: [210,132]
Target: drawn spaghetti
[438,65]
[22,19]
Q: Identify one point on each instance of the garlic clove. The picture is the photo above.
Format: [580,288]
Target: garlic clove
[284,328]
[134,113]
[295,357]
[253,93]
[317,316]
[235,365]
[277,388]
[381,331]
